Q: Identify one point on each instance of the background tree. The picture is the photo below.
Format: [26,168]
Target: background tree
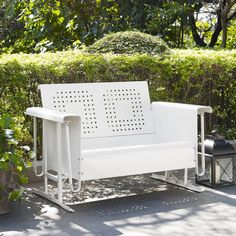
[227,12]
[10,28]
[51,25]
[57,24]
[169,20]
[219,14]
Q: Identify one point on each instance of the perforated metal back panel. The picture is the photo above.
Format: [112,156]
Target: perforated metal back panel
[107,109]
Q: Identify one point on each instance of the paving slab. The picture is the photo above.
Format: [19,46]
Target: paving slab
[144,207]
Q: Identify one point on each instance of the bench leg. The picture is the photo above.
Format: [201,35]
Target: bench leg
[185,176]
[170,178]
[52,199]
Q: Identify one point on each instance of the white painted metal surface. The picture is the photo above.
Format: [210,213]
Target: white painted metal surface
[106,109]
[178,122]
[48,114]
[52,145]
[175,181]
[102,130]
[139,159]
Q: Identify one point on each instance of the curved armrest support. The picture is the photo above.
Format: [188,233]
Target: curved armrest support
[178,122]
[184,107]
[48,114]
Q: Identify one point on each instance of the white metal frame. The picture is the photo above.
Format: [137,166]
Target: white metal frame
[102,130]
[61,122]
[171,178]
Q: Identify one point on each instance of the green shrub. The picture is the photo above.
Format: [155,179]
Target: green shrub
[130,42]
[207,77]
[190,76]
[12,161]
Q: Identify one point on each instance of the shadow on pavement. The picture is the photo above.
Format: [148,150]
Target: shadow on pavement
[169,211]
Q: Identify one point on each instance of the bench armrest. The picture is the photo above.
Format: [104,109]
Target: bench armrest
[61,141]
[48,114]
[176,121]
[181,106]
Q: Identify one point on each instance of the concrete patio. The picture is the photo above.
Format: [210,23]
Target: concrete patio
[144,207]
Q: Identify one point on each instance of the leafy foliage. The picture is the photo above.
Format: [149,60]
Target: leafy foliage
[11,160]
[34,26]
[51,25]
[130,42]
[189,76]
[169,20]
[208,77]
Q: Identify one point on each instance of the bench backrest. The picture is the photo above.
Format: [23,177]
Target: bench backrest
[107,109]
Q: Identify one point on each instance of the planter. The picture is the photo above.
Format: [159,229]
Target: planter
[4,206]
[12,160]
[4,178]
[4,203]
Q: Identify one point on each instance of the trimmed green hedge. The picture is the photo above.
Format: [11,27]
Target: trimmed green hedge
[130,42]
[191,76]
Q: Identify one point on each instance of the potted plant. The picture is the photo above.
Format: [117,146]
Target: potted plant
[12,164]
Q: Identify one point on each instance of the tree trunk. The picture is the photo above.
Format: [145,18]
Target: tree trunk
[226,6]
[217,31]
[224,31]
[198,40]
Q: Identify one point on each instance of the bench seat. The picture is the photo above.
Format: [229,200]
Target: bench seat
[136,159]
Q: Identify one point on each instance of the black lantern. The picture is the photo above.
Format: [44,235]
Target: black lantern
[219,162]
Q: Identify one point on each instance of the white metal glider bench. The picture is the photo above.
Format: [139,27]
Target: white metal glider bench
[102,130]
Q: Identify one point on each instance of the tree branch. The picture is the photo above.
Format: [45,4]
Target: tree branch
[232,16]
